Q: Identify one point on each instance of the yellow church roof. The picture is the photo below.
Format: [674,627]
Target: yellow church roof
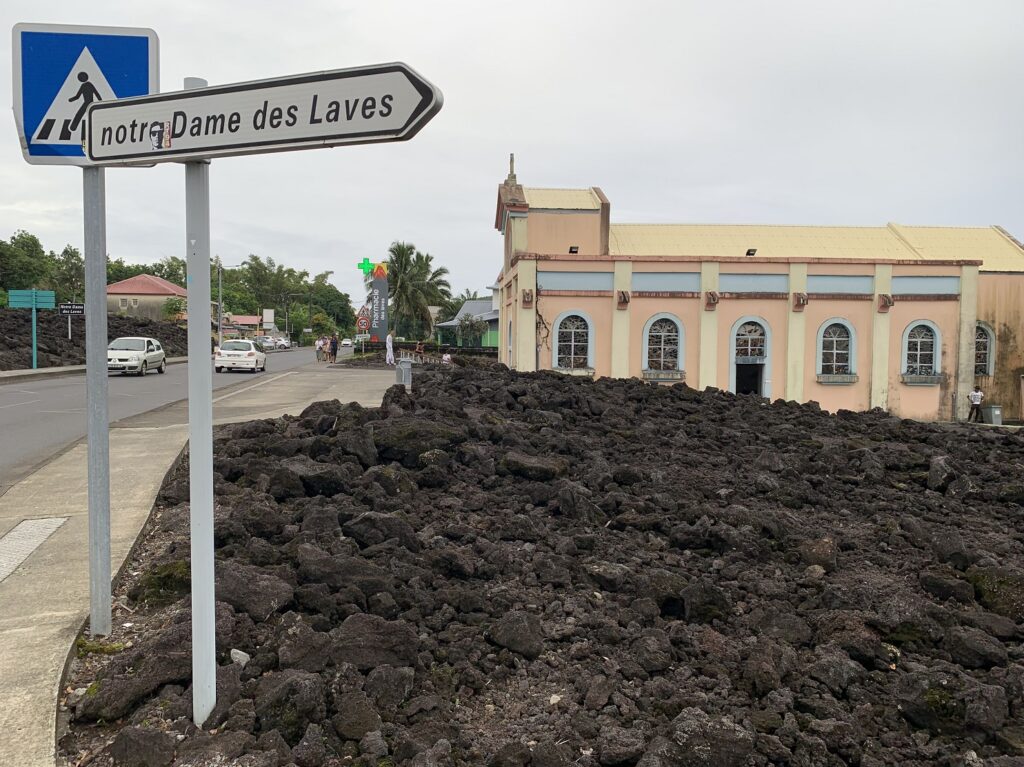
[990,245]
[562,199]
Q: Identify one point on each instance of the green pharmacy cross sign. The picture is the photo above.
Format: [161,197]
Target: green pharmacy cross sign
[32,299]
[366,266]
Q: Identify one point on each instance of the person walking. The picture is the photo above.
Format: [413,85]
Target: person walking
[975,398]
[389,345]
[334,348]
[320,349]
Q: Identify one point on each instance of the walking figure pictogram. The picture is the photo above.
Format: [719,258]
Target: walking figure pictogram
[88,93]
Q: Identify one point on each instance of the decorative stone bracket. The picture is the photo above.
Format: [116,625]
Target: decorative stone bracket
[623,299]
[711,299]
[527,299]
[885,302]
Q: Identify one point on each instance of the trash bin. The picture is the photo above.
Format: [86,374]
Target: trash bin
[403,373]
[992,414]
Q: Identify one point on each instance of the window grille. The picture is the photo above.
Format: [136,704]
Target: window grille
[921,351]
[750,340]
[663,345]
[573,343]
[982,352]
[835,350]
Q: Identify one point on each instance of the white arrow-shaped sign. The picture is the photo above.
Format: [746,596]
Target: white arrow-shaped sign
[387,102]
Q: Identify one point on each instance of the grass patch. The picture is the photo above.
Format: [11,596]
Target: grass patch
[85,647]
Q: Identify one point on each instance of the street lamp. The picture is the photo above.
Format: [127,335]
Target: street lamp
[220,300]
[288,308]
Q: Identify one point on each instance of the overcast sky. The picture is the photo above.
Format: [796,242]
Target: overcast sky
[788,111]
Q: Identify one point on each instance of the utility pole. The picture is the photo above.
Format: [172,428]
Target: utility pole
[220,304]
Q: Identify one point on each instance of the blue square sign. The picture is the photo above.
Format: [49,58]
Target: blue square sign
[59,70]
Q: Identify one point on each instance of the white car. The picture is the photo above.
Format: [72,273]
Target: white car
[135,354]
[346,342]
[283,343]
[240,355]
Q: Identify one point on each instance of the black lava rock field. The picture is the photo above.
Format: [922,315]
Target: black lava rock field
[54,348]
[533,570]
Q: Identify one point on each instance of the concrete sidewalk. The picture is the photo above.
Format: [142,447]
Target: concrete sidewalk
[44,598]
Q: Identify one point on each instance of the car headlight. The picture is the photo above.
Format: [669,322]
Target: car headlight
[133,358]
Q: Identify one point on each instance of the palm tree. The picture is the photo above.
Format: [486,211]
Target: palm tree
[413,285]
[451,306]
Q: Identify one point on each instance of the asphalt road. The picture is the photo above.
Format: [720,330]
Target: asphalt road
[40,418]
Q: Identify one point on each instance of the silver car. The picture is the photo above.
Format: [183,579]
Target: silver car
[135,354]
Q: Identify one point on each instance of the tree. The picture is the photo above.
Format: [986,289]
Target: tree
[171,268]
[471,330]
[173,308]
[69,274]
[413,285]
[323,325]
[450,307]
[118,270]
[23,262]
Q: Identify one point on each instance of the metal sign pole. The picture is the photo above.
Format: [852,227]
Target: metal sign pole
[200,441]
[94,204]
[34,363]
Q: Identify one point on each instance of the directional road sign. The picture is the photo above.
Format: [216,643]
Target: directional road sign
[363,105]
[71,310]
[59,70]
[30,299]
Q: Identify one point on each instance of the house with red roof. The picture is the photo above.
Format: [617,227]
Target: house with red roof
[142,296]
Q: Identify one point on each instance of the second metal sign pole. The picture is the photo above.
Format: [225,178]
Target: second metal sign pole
[200,438]
[97,422]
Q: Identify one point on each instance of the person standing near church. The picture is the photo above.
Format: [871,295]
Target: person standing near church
[975,398]
[389,345]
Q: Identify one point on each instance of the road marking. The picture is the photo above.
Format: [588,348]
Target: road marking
[248,388]
[20,404]
[26,537]
[65,412]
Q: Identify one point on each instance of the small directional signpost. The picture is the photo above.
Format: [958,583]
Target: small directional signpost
[31,299]
[69,311]
[363,105]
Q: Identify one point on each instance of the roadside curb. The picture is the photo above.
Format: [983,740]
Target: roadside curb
[65,370]
[7,376]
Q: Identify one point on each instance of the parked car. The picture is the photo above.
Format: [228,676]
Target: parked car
[135,354]
[240,355]
[283,343]
[346,342]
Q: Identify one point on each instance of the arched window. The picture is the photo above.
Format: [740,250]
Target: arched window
[835,350]
[572,350]
[921,356]
[662,347]
[984,347]
[750,341]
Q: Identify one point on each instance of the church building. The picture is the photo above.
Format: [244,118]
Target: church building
[905,318]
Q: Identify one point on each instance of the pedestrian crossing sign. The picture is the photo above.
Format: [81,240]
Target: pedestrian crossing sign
[59,70]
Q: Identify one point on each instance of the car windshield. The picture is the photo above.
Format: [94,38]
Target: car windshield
[128,344]
[236,346]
